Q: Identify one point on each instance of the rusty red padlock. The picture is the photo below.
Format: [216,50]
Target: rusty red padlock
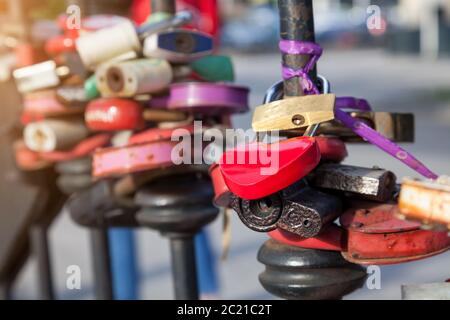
[377,237]
[150,150]
[154,135]
[258,170]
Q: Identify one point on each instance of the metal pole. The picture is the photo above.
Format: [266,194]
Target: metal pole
[296,23]
[5,290]
[183,249]
[40,249]
[101,263]
[167,6]
[184,268]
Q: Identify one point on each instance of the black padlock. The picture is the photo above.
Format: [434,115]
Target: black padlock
[299,209]
[362,183]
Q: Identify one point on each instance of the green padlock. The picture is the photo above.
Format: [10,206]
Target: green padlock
[90,87]
[214,68]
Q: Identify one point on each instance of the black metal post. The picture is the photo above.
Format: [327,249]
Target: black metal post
[296,23]
[5,290]
[41,251]
[101,261]
[179,207]
[167,6]
[184,268]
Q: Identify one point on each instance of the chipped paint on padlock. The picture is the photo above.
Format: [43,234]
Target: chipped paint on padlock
[377,237]
[426,201]
[131,78]
[113,162]
[372,184]
[154,135]
[178,46]
[114,115]
[294,113]
[52,135]
[331,238]
[149,150]
[209,98]
[292,160]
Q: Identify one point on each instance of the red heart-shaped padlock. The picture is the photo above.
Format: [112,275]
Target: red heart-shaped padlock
[258,170]
[114,115]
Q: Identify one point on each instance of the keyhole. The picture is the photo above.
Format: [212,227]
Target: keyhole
[298,120]
[265,204]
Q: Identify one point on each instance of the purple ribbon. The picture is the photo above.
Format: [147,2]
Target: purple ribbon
[353,103]
[357,126]
[301,48]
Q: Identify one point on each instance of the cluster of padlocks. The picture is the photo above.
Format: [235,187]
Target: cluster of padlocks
[299,192]
[108,112]
[114,112]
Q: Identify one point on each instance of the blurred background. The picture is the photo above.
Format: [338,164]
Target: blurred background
[403,66]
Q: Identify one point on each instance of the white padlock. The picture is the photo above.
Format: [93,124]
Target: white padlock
[53,135]
[135,77]
[105,44]
[39,76]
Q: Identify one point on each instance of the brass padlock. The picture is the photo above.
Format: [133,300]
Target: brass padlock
[294,113]
[397,127]
[363,183]
[426,201]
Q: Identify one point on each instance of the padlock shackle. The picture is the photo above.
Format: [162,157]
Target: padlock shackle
[180,19]
[296,23]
